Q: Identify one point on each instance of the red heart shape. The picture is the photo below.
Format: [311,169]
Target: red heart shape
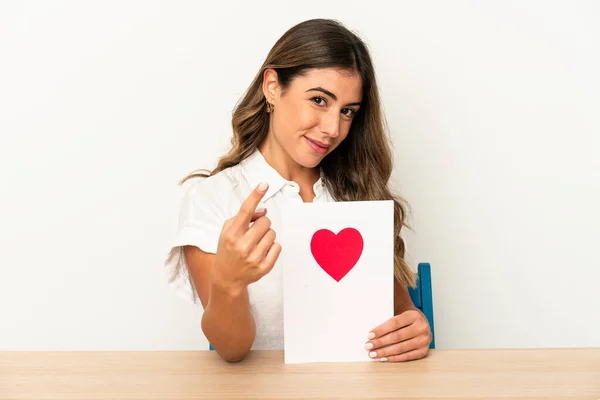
[337,254]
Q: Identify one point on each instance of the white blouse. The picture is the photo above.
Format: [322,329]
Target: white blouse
[205,206]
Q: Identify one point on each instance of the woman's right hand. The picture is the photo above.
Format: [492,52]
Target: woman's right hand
[245,253]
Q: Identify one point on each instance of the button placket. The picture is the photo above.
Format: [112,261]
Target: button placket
[292,191]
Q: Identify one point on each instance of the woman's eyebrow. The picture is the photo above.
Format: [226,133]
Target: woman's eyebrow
[328,93]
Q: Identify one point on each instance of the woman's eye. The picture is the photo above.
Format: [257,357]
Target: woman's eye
[348,112]
[318,100]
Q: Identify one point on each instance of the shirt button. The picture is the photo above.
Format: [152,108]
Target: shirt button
[291,189]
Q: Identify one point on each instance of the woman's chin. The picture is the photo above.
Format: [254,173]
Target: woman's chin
[309,160]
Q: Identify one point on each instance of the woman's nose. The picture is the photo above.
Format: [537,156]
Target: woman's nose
[330,124]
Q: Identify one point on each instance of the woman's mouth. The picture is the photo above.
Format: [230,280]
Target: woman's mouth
[318,147]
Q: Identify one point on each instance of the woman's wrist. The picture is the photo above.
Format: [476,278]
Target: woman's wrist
[225,285]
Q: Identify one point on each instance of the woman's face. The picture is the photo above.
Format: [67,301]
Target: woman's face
[314,114]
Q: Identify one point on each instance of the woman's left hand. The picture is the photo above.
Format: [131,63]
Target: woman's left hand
[403,337]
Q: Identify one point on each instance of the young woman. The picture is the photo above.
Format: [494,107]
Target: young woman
[309,128]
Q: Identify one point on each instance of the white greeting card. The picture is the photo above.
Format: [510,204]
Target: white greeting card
[338,278]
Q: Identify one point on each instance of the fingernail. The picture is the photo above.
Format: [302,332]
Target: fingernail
[373,354]
[263,186]
[383,359]
[369,346]
[371,335]
[260,209]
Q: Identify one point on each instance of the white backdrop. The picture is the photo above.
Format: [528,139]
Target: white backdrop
[104,106]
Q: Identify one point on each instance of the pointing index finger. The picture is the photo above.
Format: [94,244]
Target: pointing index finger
[248,207]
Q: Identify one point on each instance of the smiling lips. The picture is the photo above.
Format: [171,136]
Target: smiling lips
[317,146]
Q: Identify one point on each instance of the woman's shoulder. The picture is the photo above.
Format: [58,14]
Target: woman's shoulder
[214,190]
[221,180]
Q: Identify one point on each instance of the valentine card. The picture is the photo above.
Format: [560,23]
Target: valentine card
[338,278]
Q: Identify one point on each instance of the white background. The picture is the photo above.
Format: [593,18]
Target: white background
[104,106]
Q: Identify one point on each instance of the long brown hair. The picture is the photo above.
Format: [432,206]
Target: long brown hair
[360,168]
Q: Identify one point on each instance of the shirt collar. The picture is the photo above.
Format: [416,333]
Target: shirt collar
[257,170]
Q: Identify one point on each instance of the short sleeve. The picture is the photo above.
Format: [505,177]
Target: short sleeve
[199,225]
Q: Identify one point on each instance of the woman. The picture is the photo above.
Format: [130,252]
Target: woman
[309,128]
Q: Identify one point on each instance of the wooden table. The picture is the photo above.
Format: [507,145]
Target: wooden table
[444,374]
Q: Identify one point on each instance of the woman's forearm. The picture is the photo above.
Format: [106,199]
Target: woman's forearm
[402,300]
[228,323]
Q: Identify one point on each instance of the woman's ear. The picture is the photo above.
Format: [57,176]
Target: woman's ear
[270,85]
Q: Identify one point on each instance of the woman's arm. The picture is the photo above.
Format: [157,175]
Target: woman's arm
[227,321]
[245,253]
[402,300]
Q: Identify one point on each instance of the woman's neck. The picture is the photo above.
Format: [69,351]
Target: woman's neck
[289,169]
